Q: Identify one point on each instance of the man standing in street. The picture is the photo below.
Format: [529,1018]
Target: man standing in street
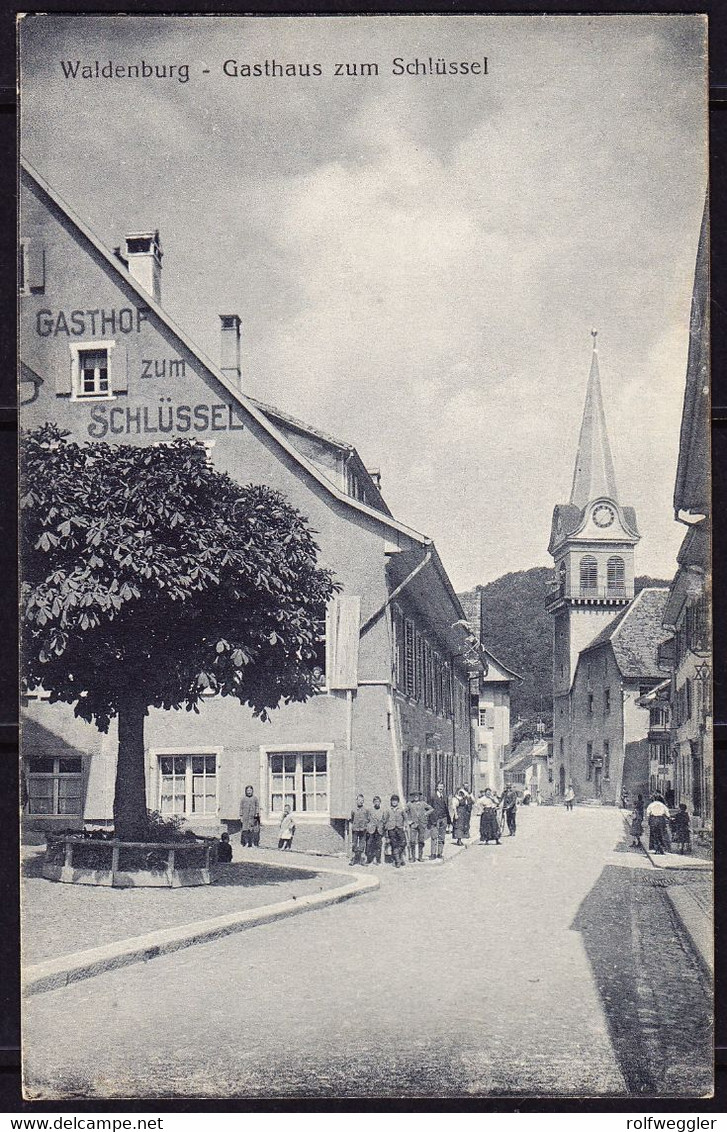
[509,809]
[249,818]
[438,819]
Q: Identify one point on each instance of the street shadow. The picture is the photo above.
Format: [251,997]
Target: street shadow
[250,875]
[654,997]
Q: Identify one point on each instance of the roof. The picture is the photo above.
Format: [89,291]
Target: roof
[691,488]
[635,635]
[255,409]
[593,475]
[569,519]
[525,752]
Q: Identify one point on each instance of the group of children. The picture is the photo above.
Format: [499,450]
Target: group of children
[402,827]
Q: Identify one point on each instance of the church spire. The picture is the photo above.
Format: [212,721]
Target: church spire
[593,476]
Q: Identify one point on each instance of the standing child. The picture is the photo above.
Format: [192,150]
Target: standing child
[224,849]
[637,828]
[395,826]
[359,825]
[417,813]
[375,832]
[287,829]
[682,828]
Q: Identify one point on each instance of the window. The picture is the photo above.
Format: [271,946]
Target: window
[590,703]
[589,761]
[93,369]
[54,786]
[561,578]
[615,573]
[31,267]
[589,573]
[607,700]
[606,759]
[560,748]
[298,779]
[419,666]
[409,659]
[399,649]
[188,785]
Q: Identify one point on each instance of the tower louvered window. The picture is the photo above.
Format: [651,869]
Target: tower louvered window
[589,574]
[615,574]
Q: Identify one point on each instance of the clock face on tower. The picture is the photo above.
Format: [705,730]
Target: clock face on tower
[603,515]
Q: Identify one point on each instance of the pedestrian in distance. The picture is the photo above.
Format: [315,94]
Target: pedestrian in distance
[489,824]
[681,828]
[509,810]
[569,797]
[249,818]
[469,803]
[636,828]
[375,832]
[359,827]
[640,805]
[224,849]
[657,815]
[286,830]
[395,827]
[438,822]
[417,813]
[461,826]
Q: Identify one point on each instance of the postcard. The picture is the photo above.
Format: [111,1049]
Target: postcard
[365,544]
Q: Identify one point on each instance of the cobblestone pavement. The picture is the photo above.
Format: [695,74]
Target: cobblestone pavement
[549,965]
[56,919]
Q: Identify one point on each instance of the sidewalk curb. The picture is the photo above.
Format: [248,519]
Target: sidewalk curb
[677,861]
[685,907]
[55,973]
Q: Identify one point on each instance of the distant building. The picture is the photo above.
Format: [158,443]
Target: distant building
[609,726]
[527,768]
[688,610]
[604,642]
[102,358]
[490,692]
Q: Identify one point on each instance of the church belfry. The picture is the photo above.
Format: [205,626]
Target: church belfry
[592,544]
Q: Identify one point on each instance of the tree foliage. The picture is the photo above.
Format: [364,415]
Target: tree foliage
[146,568]
[149,577]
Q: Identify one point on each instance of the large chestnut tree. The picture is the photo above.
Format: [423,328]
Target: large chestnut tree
[148,577]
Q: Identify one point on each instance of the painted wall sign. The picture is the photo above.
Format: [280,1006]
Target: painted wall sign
[93,323]
[160,367]
[123,420]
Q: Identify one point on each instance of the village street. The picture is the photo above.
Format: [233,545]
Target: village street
[552,964]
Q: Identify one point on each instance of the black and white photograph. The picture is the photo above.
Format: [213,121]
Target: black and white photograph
[365,604]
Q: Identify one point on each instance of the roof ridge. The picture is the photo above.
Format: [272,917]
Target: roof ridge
[244,400]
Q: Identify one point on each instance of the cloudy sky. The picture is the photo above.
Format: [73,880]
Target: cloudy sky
[417,261]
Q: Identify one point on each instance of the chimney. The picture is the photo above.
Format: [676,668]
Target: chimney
[230,347]
[144,253]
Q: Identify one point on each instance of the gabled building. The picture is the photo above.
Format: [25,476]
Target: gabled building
[102,359]
[490,692]
[609,725]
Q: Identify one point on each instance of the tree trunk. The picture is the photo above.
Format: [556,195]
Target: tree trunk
[130,819]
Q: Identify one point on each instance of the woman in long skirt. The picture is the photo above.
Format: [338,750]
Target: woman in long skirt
[462,817]
[489,824]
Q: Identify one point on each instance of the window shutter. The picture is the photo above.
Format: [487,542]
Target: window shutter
[343,621]
[119,371]
[34,266]
[341,783]
[64,377]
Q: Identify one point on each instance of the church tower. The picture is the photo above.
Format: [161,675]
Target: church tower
[592,542]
